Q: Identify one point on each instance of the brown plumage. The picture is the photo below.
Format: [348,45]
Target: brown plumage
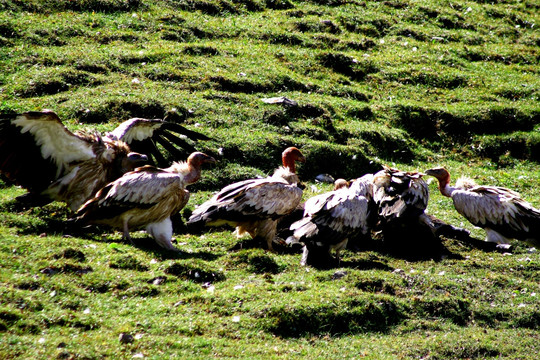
[501,212]
[400,195]
[255,206]
[145,197]
[284,224]
[73,166]
[402,198]
[332,218]
[40,154]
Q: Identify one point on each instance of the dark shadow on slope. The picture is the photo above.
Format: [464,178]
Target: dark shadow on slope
[351,316]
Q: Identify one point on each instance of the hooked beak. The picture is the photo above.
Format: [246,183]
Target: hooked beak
[137,158]
[209,160]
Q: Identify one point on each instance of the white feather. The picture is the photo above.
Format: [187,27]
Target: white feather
[55,141]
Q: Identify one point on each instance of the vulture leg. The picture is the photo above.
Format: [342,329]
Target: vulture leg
[162,233]
[125,229]
[318,257]
[337,248]
[268,231]
[305,253]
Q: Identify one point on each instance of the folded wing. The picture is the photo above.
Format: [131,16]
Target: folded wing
[249,200]
[498,209]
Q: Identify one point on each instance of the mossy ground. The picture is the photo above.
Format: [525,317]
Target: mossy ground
[410,83]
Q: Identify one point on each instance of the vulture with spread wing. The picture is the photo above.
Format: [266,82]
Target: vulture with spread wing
[402,198]
[501,212]
[145,197]
[400,195]
[332,218]
[255,206]
[40,154]
[143,135]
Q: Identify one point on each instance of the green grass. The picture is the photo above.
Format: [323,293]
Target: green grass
[411,84]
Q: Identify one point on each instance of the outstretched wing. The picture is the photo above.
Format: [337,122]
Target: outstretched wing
[143,136]
[399,194]
[499,209]
[249,200]
[36,149]
[140,189]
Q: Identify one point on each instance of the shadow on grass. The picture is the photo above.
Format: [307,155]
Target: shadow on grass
[365,314]
[149,245]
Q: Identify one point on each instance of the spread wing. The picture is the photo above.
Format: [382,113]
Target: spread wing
[400,195]
[332,217]
[500,209]
[144,136]
[249,200]
[140,189]
[36,149]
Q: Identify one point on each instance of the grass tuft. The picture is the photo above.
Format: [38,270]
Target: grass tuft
[197,271]
[355,316]
[127,262]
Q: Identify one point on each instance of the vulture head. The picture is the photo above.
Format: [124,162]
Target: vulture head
[289,156]
[197,158]
[195,162]
[341,184]
[133,160]
[125,160]
[440,174]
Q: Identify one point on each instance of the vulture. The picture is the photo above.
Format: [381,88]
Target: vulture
[255,206]
[40,154]
[407,230]
[400,195]
[145,197]
[72,167]
[332,218]
[501,212]
[284,224]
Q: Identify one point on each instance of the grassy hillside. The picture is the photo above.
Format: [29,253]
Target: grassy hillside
[407,83]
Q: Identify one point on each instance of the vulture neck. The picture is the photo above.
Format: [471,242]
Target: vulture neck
[444,186]
[288,163]
[191,172]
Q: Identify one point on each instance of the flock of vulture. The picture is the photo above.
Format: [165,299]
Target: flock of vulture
[113,179]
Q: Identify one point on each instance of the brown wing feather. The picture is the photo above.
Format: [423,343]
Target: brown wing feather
[499,209]
[38,143]
[249,200]
[151,190]
[142,135]
[399,194]
[333,217]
